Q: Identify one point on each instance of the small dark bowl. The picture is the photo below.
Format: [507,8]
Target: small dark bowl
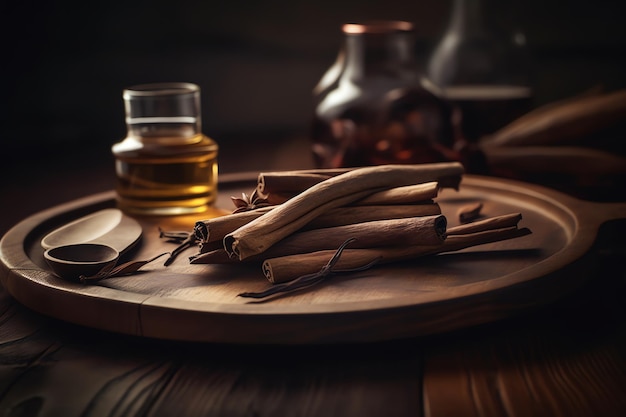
[72,261]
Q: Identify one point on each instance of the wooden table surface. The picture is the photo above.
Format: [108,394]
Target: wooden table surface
[567,358]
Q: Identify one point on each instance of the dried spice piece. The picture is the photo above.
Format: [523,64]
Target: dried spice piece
[213,230]
[185,244]
[249,202]
[470,213]
[282,269]
[185,240]
[111,271]
[290,183]
[308,280]
[174,236]
[490,223]
[360,214]
[261,233]
[413,231]
[294,181]
[408,194]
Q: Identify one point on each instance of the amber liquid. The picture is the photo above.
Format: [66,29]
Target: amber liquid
[406,132]
[486,108]
[162,177]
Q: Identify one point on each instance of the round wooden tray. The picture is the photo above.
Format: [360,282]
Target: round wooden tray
[428,295]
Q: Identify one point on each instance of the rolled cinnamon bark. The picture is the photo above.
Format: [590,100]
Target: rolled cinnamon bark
[359,214]
[497,222]
[214,256]
[261,233]
[286,268]
[205,247]
[409,194]
[294,181]
[288,182]
[278,187]
[214,230]
[414,231]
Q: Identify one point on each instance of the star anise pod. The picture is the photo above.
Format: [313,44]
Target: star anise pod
[249,202]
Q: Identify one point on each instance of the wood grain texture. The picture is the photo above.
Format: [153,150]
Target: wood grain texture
[200,303]
[546,371]
[51,368]
[565,359]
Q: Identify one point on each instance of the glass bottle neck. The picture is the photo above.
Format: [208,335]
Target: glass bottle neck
[467,18]
[163,111]
[373,54]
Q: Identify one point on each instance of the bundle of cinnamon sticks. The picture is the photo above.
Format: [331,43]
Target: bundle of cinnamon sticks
[387,212]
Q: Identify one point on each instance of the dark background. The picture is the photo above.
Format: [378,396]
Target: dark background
[65,64]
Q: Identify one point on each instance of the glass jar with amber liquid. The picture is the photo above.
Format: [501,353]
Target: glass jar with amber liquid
[165,165]
[374,107]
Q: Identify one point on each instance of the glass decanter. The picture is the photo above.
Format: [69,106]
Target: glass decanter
[482,71]
[373,106]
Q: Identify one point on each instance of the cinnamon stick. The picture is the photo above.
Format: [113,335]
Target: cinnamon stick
[286,268]
[261,233]
[214,230]
[213,256]
[288,183]
[294,181]
[408,194]
[359,214]
[283,185]
[497,222]
[414,231]
[470,213]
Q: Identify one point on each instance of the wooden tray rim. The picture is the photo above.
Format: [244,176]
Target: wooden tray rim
[20,273]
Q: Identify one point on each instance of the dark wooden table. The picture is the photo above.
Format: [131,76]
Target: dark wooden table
[567,358]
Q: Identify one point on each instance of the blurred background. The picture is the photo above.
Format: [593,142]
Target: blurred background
[65,65]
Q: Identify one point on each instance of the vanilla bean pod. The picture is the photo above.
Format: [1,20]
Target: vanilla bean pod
[112,271]
[308,280]
[185,240]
